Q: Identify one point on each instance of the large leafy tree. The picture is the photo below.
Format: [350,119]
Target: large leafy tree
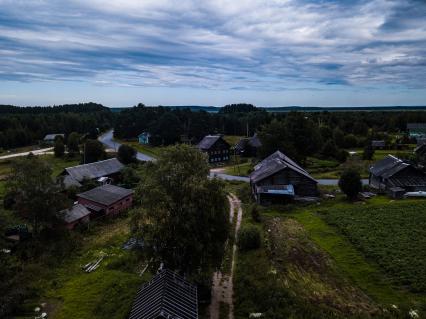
[183,214]
[37,198]
[93,151]
[126,154]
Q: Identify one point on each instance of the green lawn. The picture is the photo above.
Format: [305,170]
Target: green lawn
[152,151]
[233,139]
[243,169]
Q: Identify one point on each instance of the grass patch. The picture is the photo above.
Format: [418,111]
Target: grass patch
[233,139]
[243,169]
[153,151]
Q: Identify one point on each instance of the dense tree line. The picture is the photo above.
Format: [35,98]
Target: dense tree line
[27,125]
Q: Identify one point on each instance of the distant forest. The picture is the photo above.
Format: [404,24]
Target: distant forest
[22,126]
[298,132]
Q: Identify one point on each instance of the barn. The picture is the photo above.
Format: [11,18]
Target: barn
[392,172]
[248,146]
[167,296]
[278,179]
[106,199]
[73,176]
[76,215]
[216,148]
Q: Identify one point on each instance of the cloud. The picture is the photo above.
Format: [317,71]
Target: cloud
[256,44]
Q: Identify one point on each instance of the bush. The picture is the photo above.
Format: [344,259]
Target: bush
[254,212]
[350,183]
[248,238]
[126,154]
[59,148]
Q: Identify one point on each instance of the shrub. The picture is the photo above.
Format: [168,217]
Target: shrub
[249,238]
[350,183]
[126,154]
[254,212]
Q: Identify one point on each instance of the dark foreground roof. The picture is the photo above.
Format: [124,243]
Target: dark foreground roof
[94,170]
[167,295]
[388,166]
[106,194]
[208,141]
[275,163]
[74,213]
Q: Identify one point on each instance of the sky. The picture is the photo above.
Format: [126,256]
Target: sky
[197,52]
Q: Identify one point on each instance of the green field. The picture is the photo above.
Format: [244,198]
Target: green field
[152,151]
[394,236]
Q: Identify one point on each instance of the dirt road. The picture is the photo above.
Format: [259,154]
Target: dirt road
[222,288]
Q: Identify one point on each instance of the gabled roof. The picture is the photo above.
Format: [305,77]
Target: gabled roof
[273,164]
[388,166]
[51,137]
[416,126]
[167,295]
[251,141]
[208,141]
[74,213]
[106,194]
[94,170]
[144,134]
[421,149]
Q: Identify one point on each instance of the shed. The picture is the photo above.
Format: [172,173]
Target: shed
[248,146]
[106,199]
[378,144]
[278,177]
[396,192]
[216,148]
[77,214]
[167,296]
[144,137]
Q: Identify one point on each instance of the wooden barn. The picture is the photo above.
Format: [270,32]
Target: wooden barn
[278,179]
[217,149]
[73,176]
[166,296]
[248,146]
[392,172]
[106,199]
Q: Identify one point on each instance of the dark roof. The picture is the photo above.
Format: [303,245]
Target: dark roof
[208,141]
[94,170]
[421,149]
[251,141]
[378,143]
[51,137]
[167,295]
[273,164]
[388,166]
[421,141]
[74,213]
[106,194]
[416,126]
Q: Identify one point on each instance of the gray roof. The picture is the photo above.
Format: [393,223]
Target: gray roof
[251,141]
[388,166]
[208,141]
[273,164]
[378,143]
[106,194]
[74,213]
[167,295]
[421,149]
[51,137]
[95,170]
[416,126]
[70,182]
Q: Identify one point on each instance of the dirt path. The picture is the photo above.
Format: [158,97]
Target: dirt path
[222,288]
[42,151]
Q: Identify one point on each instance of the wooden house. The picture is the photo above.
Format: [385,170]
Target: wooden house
[110,168]
[106,199]
[76,215]
[248,146]
[392,172]
[143,138]
[166,296]
[216,148]
[278,178]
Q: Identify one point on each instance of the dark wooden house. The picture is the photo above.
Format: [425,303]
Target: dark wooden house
[216,148]
[278,178]
[392,172]
[73,176]
[248,146]
[106,199]
[166,296]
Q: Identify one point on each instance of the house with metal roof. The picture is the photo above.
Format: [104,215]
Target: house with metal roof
[106,199]
[167,296]
[143,138]
[278,178]
[248,146]
[73,176]
[77,214]
[216,148]
[392,172]
[50,138]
